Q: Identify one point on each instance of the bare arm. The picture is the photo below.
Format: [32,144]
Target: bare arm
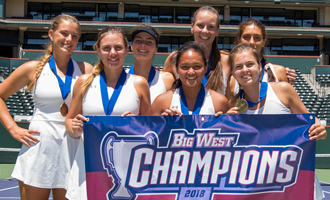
[85,67]
[74,119]
[21,77]
[169,65]
[220,103]
[168,80]
[142,88]
[289,97]
[162,103]
[280,72]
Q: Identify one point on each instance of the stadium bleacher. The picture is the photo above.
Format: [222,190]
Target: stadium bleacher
[314,103]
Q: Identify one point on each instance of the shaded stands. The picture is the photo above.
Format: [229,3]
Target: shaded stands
[305,91]
[20,105]
[314,103]
[323,79]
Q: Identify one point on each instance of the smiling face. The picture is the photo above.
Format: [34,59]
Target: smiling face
[144,46]
[245,68]
[112,50]
[252,35]
[191,68]
[205,27]
[65,38]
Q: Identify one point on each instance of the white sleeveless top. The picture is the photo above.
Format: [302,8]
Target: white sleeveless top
[272,105]
[206,109]
[157,86]
[47,95]
[128,99]
[271,67]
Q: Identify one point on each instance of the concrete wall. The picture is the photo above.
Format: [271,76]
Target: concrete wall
[15,8]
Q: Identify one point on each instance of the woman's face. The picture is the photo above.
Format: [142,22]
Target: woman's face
[65,38]
[205,28]
[112,50]
[245,68]
[252,35]
[191,68]
[144,46]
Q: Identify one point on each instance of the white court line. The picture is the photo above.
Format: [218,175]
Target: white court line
[326,192]
[8,188]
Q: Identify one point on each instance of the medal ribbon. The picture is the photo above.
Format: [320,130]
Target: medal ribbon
[262,94]
[151,76]
[206,75]
[263,70]
[198,103]
[108,105]
[65,87]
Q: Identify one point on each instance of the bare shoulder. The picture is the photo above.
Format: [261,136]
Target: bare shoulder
[139,80]
[279,68]
[165,97]
[168,79]
[225,61]
[281,87]
[220,102]
[85,67]
[26,69]
[217,95]
[169,64]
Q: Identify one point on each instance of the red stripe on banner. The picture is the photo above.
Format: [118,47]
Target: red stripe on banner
[98,184]
[300,190]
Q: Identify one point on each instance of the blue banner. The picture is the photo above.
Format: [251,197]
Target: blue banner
[199,157]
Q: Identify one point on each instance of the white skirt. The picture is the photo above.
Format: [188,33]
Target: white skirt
[47,163]
[76,189]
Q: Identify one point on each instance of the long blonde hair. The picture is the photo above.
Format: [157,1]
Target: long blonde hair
[49,49]
[98,68]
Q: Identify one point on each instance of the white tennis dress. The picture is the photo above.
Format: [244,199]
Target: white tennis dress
[128,100]
[206,109]
[46,164]
[273,105]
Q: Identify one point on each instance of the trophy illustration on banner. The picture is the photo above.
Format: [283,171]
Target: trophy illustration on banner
[116,153]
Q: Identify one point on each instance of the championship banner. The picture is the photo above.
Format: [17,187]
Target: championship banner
[199,157]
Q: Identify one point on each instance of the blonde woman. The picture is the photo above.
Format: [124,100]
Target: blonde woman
[44,161]
[108,91]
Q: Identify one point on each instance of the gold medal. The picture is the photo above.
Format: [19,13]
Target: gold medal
[64,109]
[242,105]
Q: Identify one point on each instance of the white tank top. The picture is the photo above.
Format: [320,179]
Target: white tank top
[272,105]
[128,99]
[206,109]
[47,94]
[157,86]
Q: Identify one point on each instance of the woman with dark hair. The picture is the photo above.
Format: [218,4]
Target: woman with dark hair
[190,96]
[205,28]
[144,46]
[253,32]
[108,91]
[44,160]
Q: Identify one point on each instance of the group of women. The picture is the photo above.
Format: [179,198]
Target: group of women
[204,81]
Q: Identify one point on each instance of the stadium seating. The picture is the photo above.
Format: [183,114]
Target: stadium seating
[314,103]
